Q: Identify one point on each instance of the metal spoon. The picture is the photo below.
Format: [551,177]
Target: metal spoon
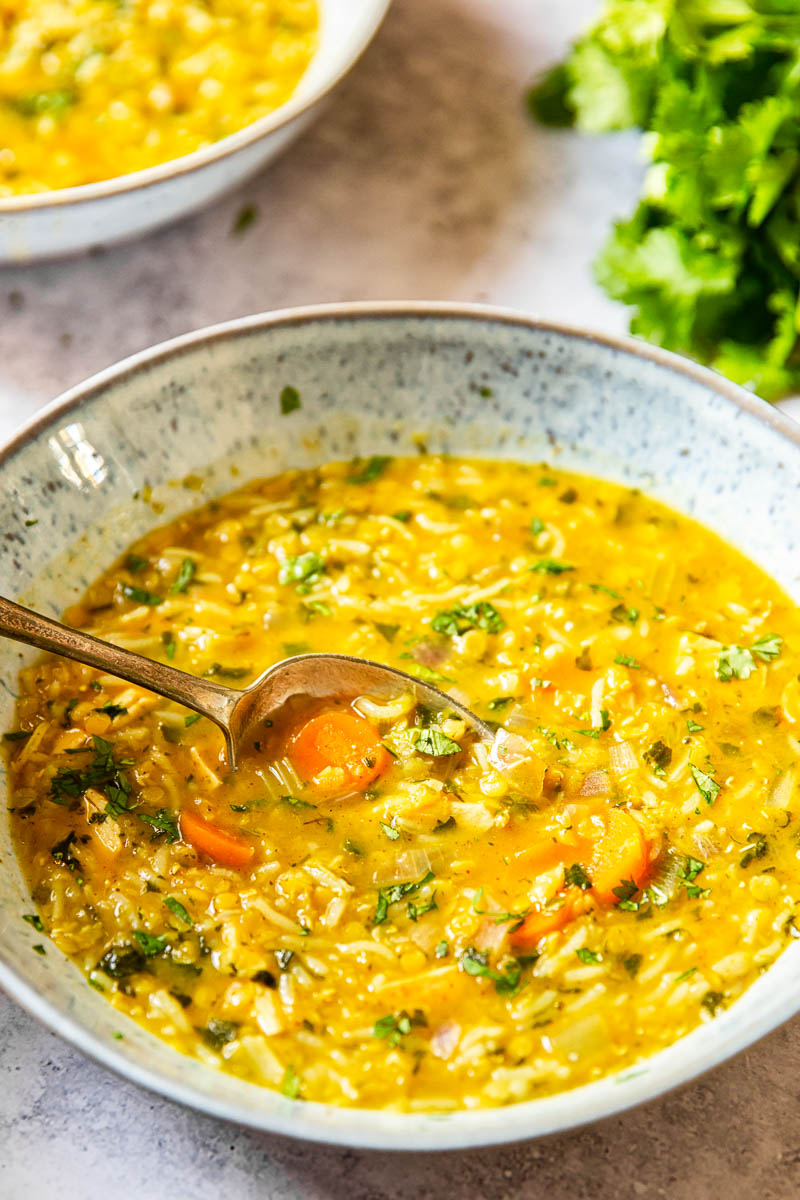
[235,712]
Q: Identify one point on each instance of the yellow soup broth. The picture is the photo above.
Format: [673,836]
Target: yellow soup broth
[378,909]
[92,89]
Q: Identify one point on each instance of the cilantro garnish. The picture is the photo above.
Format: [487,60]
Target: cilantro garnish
[481,615]
[575,876]
[391,833]
[394,1027]
[35,920]
[625,660]
[707,785]
[186,573]
[291,1082]
[758,848]
[177,909]
[549,566]
[442,949]
[500,702]
[590,957]
[659,757]
[506,982]
[387,631]
[112,710]
[163,823]
[396,892]
[135,563]
[372,469]
[303,570]
[290,400]
[436,744]
[737,662]
[104,774]
[149,944]
[141,595]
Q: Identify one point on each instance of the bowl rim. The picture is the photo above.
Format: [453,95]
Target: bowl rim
[370,1128]
[134,181]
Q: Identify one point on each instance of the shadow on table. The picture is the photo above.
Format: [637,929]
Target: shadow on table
[735,1135]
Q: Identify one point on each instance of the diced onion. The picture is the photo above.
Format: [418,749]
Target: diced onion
[411,864]
[445,1038]
[622,758]
[518,720]
[490,935]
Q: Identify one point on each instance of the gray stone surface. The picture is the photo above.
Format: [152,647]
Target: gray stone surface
[424,179]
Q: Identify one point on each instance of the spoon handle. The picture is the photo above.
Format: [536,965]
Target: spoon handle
[202,695]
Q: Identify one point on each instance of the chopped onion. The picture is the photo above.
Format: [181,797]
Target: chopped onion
[581,1038]
[516,761]
[471,816]
[519,721]
[389,710]
[622,758]
[595,784]
[445,1038]
[490,935]
[411,864]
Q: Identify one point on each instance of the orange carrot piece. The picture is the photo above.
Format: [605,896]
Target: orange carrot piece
[543,921]
[223,847]
[341,746]
[621,853]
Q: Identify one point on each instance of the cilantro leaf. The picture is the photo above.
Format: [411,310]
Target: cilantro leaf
[481,615]
[186,573]
[506,982]
[141,595]
[149,944]
[396,892]
[302,569]
[372,469]
[707,785]
[575,876]
[549,566]
[177,909]
[290,400]
[435,743]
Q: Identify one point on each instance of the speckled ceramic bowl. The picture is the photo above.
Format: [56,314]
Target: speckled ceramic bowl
[70,220]
[371,378]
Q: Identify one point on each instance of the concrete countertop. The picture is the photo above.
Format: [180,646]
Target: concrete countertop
[424,179]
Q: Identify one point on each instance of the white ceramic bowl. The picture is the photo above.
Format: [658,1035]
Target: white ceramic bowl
[371,377]
[71,220]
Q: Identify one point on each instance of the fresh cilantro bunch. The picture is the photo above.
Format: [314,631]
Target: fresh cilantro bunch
[710,259]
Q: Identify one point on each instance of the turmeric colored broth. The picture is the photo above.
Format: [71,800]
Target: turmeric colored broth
[379,910]
[92,89]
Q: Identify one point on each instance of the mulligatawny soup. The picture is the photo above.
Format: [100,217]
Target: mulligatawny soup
[378,909]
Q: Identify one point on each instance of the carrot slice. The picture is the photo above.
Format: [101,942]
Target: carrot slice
[223,847]
[338,751]
[621,853]
[538,924]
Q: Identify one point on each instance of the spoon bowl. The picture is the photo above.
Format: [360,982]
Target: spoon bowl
[236,712]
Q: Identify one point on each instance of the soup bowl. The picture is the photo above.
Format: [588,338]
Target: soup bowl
[103,464]
[70,220]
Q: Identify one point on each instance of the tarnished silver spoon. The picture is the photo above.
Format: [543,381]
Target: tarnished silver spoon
[235,712]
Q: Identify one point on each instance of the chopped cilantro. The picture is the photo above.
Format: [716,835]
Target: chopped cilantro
[35,920]
[550,566]
[291,1083]
[415,911]
[767,647]
[500,702]
[191,719]
[737,662]
[481,615]
[112,710]
[39,948]
[506,982]
[707,785]
[149,944]
[575,876]
[17,735]
[758,848]
[625,660]
[135,563]
[396,892]
[387,631]
[303,570]
[290,400]
[218,1033]
[391,833]
[104,773]
[659,756]
[590,957]
[372,469]
[120,962]
[621,613]
[296,802]
[685,975]
[186,573]
[693,727]
[141,595]
[392,1029]
[442,949]
[244,218]
[436,744]
[162,822]
[537,526]
[711,1002]
[631,963]
[403,515]
[177,909]
[224,672]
